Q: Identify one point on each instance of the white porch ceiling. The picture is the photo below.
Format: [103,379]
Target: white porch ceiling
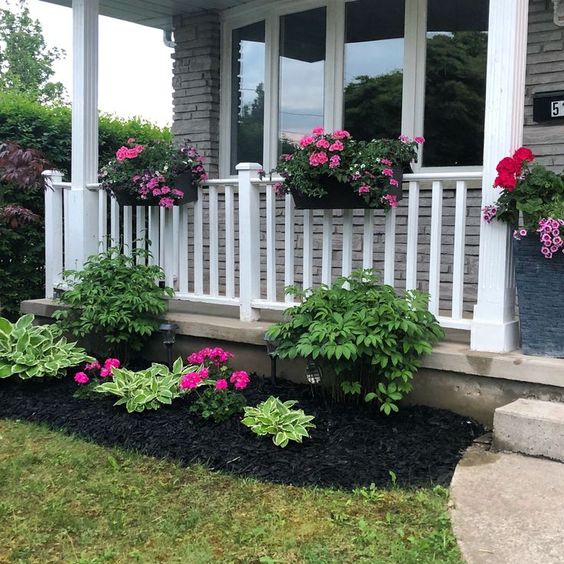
[154,13]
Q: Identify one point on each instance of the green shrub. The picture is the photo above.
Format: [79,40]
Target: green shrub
[29,351]
[367,338]
[145,389]
[218,405]
[114,301]
[277,418]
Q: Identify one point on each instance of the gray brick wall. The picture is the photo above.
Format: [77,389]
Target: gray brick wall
[545,73]
[196,79]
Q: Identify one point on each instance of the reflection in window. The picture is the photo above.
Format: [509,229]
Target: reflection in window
[247,128]
[374,46]
[302,71]
[455,82]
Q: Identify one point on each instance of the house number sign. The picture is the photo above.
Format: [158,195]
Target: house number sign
[548,107]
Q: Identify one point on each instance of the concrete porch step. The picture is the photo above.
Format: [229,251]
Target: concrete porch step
[530,427]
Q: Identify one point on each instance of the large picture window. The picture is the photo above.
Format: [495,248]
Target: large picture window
[378,68]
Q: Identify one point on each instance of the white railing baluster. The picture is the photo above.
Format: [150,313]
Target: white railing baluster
[390,248]
[368,240]
[214,241]
[175,246]
[140,232]
[183,249]
[115,238]
[53,230]
[127,230]
[435,250]
[270,244]
[458,253]
[412,236]
[308,250]
[289,254]
[347,242]
[162,238]
[102,220]
[67,230]
[166,246]
[154,235]
[199,244]
[229,242]
[327,253]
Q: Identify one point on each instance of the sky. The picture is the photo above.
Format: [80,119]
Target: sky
[135,68]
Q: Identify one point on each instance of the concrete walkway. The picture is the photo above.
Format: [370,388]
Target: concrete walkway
[508,508]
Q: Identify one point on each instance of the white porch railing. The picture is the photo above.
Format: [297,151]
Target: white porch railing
[239,244]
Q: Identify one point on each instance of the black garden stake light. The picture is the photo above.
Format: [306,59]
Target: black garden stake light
[168,331]
[271,352]
[314,374]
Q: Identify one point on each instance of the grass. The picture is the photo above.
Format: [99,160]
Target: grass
[66,500]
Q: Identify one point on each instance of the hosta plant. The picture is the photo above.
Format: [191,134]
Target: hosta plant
[367,338]
[145,389]
[29,350]
[277,418]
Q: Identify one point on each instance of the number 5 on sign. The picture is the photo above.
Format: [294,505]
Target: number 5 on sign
[557,108]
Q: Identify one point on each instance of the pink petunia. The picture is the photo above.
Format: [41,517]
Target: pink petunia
[392,200]
[166,203]
[334,161]
[221,384]
[364,189]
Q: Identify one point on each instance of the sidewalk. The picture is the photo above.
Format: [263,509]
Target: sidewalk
[508,508]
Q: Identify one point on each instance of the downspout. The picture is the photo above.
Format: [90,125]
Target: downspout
[167,38]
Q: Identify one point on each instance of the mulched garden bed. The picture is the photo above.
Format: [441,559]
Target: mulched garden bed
[351,446]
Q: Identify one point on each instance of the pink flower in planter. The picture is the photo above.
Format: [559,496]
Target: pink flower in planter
[221,384]
[337,146]
[165,190]
[334,161]
[176,192]
[166,203]
[341,134]
[388,172]
[523,232]
[419,140]
[546,252]
[121,153]
[156,192]
[323,144]
[306,141]
[364,189]
[404,138]
[392,200]
[81,378]
[394,182]
[318,131]
[386,162]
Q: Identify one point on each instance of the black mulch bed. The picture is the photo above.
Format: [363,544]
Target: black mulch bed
[351,446]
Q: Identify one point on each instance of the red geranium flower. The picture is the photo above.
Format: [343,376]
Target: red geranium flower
[509,165]
[506,180]
[523,154]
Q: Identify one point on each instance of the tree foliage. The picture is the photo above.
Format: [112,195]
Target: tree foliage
[26,64]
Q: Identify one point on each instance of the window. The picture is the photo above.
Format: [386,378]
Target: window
[370,66]
[247,96]
[374,53]
[455,88]
[302,72]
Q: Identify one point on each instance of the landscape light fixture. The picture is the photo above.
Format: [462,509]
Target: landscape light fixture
[168,331]
[314,374]
[271,352]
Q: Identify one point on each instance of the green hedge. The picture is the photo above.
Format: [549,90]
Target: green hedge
[48,129]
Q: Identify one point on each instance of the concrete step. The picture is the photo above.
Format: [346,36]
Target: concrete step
[530,427]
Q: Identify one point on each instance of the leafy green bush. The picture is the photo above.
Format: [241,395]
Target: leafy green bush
[31,351]
[146,389]
[367,338]
[277,418]
[218,405]
[114,301]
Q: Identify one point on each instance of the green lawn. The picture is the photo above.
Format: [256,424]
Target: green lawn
[66,500]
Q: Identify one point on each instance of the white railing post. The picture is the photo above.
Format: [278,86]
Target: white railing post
[249,240]
[81,218]
[53,230]
[494,327]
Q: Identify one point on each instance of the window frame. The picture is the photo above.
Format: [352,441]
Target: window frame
[414,72]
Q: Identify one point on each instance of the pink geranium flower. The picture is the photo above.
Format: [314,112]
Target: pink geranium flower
[81,378]
[341,134]
[221,384]
[306,141]
[337,146]
[323,144]
[318,131]
[190,381]
[166,203]
[239,379]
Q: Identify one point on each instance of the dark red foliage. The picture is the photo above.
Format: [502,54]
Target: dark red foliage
[22,167]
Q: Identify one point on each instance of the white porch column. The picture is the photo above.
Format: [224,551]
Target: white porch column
[494,327]
[81,221]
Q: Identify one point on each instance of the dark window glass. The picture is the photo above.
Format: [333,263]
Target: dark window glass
[302,74]
[247,127]
[374,46]
[455,82]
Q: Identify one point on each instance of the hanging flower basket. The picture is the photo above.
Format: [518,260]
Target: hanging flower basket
[332,170]
[540,287]
[156,174]
[341,195]
[183,182]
